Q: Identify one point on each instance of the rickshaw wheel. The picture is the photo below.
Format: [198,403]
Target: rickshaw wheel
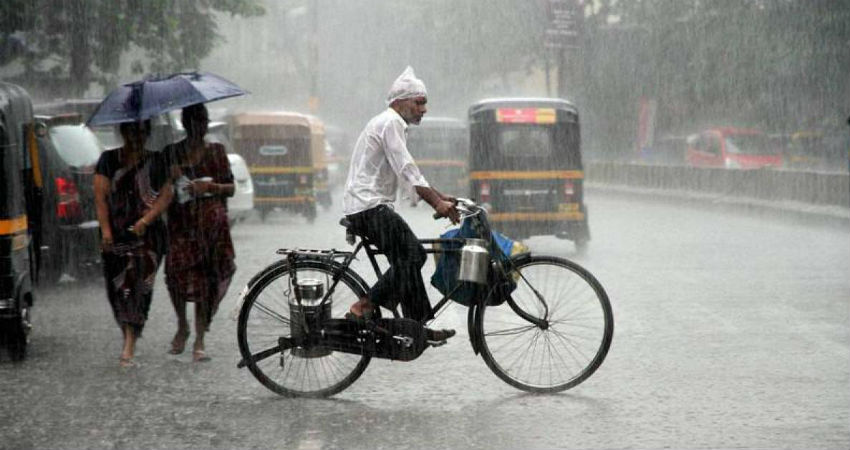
[16,340]
[310,214]
[581,246]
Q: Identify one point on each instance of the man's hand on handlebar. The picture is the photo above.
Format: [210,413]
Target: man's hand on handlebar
[447,209]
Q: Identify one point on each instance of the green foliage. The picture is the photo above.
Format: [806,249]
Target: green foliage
[73,43]
[779,65]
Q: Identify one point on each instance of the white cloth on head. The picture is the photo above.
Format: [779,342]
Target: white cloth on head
[379,163]
[406,86]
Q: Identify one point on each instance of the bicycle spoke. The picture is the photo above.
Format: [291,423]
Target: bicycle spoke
[514,330]
[268,311]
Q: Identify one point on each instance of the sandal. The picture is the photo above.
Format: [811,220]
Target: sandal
[200,356]
[178,344]
[126,362]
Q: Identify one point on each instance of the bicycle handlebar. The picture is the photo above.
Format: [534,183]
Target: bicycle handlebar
[466,208]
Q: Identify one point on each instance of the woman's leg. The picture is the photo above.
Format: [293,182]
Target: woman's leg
[201,323]
[178,344]
[129,350]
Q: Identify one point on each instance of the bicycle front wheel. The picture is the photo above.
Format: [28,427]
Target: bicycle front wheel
[267,315]
[567,347]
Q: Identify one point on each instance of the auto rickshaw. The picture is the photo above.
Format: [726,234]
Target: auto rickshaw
[20,209]
[321,186]
[440,146]
[525,167]
[276,146]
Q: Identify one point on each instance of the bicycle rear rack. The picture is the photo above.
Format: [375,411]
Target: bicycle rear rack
[328,254]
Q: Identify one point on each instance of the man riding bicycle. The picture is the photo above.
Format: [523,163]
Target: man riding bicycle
[379,163]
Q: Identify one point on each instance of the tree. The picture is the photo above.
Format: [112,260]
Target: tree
[779,65]
[69,44]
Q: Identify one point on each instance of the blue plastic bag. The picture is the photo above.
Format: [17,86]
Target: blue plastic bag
[448,263]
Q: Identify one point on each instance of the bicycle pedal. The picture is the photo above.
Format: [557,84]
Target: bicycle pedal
[435,343]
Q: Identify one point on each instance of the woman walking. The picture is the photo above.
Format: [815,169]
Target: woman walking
[131,190]
[200,261]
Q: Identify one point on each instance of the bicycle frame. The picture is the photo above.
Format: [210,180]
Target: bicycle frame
[481,227]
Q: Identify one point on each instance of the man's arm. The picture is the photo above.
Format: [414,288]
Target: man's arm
[444,206]
[445,197]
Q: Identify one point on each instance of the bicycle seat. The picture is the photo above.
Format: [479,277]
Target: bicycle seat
[349,232]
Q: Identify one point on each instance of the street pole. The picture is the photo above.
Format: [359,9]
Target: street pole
[563,76]
[313,101]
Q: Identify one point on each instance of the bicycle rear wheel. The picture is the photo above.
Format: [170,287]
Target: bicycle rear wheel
[266,315]
[572,343]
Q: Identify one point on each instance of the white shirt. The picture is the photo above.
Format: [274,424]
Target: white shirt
[380,161]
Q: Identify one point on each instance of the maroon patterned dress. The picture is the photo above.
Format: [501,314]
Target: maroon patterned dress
[131,265]
[200,261]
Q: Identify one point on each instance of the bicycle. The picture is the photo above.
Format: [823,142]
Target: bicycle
[541,323]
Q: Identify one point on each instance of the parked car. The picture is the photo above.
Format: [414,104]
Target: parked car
[240,206]
[732,148]
[85,107]
[71,238]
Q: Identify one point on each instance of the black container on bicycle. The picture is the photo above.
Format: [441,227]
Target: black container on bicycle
[541,323]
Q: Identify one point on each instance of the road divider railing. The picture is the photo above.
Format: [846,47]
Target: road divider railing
[824,189]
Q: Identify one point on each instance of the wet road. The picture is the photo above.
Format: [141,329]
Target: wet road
[730,332]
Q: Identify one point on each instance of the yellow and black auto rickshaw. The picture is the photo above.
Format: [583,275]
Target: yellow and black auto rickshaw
[440,146]
[321,186]
[276,147]
[20,209]
[525,167]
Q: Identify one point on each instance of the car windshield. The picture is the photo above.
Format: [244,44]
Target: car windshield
[750,144]
[76,145]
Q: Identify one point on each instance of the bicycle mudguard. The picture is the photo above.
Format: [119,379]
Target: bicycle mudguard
[474,340]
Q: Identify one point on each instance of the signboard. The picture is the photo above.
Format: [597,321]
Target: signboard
[525,115]
[564,24]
